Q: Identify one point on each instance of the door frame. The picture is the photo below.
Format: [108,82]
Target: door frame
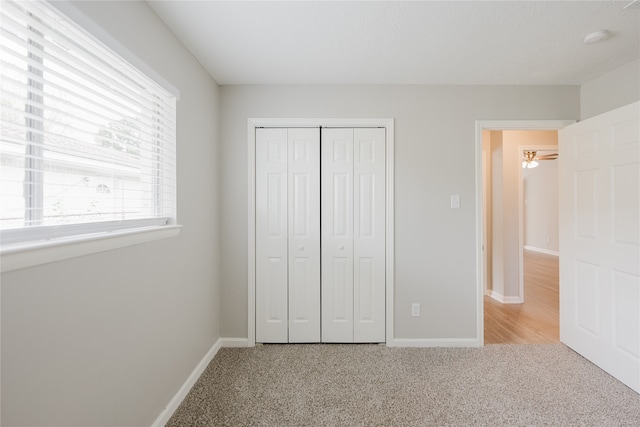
[496,125]
[388,125]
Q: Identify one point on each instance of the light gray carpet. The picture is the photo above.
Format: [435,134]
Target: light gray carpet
[372,385]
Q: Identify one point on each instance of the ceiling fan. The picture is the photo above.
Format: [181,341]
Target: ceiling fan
[530,158]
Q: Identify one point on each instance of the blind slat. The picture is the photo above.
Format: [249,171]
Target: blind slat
[55,143]
[148,113]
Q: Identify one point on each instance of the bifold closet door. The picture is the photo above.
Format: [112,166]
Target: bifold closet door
[353,235]
[287,235]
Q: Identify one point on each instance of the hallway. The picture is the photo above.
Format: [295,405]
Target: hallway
[537,320]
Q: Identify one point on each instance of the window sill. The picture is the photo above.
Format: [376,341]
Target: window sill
[24,255]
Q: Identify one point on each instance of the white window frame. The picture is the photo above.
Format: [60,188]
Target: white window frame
[75,240]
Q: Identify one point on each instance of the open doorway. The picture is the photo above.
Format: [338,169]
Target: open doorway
[520,228]
[536,320]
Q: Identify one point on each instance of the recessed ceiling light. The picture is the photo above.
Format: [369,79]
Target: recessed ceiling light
[596,36]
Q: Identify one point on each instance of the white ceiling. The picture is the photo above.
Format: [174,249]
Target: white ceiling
[404,42]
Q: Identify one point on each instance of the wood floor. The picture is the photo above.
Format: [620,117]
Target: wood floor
[535,321]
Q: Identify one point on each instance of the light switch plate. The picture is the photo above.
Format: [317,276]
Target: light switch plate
[455,201]
[415,310]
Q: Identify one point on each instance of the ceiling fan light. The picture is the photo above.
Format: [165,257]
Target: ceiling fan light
[532,164]
[524,164]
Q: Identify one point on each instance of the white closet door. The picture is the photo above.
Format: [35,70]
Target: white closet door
[271,235]
[369,235]
[304,235]
[600,241]
[353,235]
[337,235]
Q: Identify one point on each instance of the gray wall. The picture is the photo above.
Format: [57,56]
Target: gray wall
[540,188]
[435,259]
[615,89]
[108,339]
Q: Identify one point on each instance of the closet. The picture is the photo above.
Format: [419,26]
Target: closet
[320,235]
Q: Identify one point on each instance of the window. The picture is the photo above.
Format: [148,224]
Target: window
[88,140]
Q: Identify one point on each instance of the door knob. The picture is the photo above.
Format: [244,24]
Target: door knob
[341,247]
[301,247]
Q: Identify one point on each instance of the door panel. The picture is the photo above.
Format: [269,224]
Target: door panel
[626,290]
[369,236]
[337,234]
[342,206]
[271,235]
[339,292]
[600,241]
[366,290]
[625,197]
[586,201]
[304,234]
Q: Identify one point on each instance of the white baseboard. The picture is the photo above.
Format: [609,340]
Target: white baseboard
[173,404]
[234,342]
[434,342]
[505,300]
[541,250]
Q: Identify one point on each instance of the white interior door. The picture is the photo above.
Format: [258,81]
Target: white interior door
[369,235]
[353,235]
[337,235]
[272,266]
[304,235]
[287,235]
[600,241]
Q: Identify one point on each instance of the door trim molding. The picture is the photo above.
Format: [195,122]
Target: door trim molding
[496,125]
[252,124]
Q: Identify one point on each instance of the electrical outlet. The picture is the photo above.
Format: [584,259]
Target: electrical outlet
[415,310]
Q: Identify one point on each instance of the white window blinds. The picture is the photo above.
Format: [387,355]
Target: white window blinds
[88,141]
